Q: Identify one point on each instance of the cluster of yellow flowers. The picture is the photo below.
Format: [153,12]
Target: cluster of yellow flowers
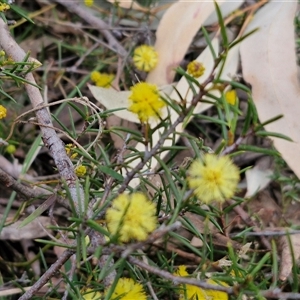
[4,7]
[145,58]
[102,79]
[213,178]
[80,171]
[10,149]
[145,101]
[126,289]
[192,292]
[89,2]
[69,149]
[3,112]
[195,68]
[231,97]
[131,217]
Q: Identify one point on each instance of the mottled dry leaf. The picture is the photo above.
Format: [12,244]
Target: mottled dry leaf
[32,230]
[269,65]
[259,176]
[112,99]
[226,8]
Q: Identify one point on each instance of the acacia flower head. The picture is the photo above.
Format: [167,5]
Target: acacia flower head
[195,68]
[69,149]
[192,292]
[127,289]
[230,97]
[145,101]
[88,2]
[145,58]
[4,7]
[131,217]
[3,112]
[80,171]
[213,178]
[102,79]
[10,149]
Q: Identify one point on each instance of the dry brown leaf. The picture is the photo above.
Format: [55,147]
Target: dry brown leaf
[172,41]
[226,9]
[269,65]
[258,177]
[289,246]
[33,230]
[204,227]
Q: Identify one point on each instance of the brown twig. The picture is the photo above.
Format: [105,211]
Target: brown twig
[177,279]
[58,152]
[47,275]
[49,136]
[75,7]
[246,218]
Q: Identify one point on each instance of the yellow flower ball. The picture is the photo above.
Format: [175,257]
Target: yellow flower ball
[230,97]
[213,178]
[192,292]
[3,112]
[131,217]
[145,58]
[10,149]
[4,7]
[88,2]
[195,68]
[69,149]
[127,289]
[145,101]
[102,79]
[80,171]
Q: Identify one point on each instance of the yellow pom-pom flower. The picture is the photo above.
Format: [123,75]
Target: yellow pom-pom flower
[127,289]
[10,149]
[69,149]
[230,97]
[131,217]
[195,68]
[4,7]
[145,101]
[145,58]
[80,171]
[102,79]
[3,112]
[213,178]
[88,2]
[192,292]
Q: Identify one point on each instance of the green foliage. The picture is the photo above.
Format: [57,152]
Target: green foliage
[204,240]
